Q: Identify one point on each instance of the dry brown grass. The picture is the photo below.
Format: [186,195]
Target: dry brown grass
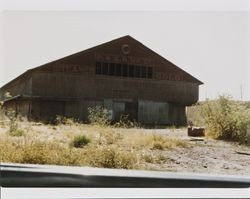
[111,157]
[153,141]
[108,147]
[37,152]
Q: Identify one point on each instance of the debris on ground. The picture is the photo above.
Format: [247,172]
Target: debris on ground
[196,131]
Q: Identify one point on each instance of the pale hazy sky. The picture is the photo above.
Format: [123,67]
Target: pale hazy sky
[213,46]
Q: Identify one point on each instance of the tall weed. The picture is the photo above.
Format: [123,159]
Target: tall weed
[125,122]
[98,116]
[226,119]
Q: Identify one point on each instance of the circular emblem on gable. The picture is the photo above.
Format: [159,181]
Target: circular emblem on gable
[125,49]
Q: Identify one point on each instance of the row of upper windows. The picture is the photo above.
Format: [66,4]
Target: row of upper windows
[124,70]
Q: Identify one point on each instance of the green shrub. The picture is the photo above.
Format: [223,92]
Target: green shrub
[80,141]
[98,116]
[17,133]
[226,119]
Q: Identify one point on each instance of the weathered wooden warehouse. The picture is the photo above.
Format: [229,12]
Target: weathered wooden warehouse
[122,75]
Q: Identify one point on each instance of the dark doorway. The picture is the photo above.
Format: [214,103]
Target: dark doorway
[131,110]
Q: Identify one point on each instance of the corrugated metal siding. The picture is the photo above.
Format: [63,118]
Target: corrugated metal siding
[153,112]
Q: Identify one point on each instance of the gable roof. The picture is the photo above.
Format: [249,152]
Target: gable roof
[192,77]
[195,80]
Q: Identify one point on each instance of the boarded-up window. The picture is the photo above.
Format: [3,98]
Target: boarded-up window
[143,72]
[131,69]
[118,69]
[125,70]
[150,72]
[137,71]
[111,69]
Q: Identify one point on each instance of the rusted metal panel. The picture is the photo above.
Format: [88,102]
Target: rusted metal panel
[196,131]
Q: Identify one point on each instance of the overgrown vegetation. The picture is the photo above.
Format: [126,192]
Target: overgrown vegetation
[13,121]
[2,116]
[101,144]
[61,120]
[125,122]
[17,132]
[108,136]
[85,145]
[101,116]
[37,152]
[98,116]
[10,116]
[80,141]
[111,157]
[162,142]
[227,119]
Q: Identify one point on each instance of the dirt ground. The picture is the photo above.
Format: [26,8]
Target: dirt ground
[204,155]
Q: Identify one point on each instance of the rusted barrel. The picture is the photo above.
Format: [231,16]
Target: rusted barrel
[196,131]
